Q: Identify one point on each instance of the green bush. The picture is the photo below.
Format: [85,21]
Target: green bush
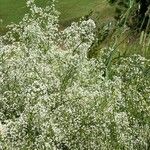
[134,13]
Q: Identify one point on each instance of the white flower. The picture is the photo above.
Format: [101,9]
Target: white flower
[2,129]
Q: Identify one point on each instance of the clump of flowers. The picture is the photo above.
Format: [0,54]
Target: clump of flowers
[52,96]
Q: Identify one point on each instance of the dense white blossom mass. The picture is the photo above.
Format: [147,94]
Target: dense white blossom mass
[53,97]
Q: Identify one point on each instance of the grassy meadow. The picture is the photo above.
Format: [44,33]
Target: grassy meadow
[14,10]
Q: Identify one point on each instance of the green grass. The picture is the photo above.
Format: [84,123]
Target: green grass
[14,10]
[74,9]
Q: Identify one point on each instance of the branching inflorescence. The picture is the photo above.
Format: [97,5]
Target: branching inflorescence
[52,96]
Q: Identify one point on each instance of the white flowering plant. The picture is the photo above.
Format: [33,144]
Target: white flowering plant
[53,97]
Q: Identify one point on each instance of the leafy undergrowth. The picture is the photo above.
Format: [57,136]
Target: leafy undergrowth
[53,97]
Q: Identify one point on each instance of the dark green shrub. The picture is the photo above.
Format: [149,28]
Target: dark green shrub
[134,13]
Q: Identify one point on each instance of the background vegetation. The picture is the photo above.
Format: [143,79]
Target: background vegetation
[13,10]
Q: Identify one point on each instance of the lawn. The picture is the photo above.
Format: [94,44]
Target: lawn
[13,10]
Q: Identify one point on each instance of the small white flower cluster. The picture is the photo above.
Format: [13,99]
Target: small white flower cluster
[53,97]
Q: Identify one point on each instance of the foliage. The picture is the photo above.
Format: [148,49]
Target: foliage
[52,96]
[134,13]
